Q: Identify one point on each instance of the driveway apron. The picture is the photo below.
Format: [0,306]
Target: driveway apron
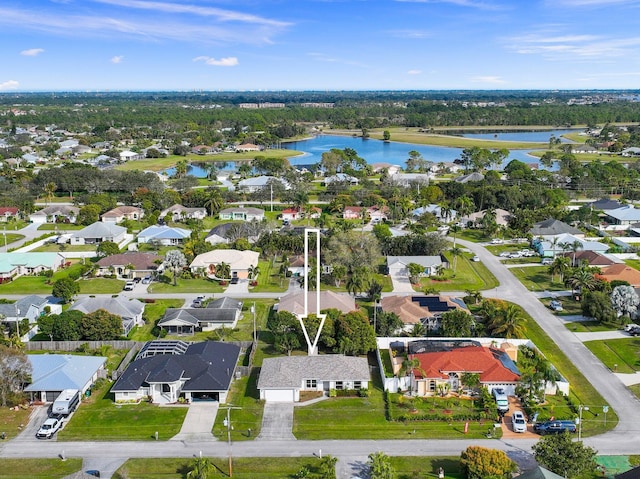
[277,422]
[198,423]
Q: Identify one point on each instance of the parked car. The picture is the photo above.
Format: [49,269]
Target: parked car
[546,261]
[146,280]
[496,241]
[136,280]
[554,427]
[49,428]
[515,254]
[198,302]
[235,280]
[630,326]
[505,254]
[635,331]
[518,422]
[475,258]
[502,400]
[129,285]
[555,305]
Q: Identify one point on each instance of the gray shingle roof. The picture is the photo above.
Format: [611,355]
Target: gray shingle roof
[290,371]
[552,227]
[124,308]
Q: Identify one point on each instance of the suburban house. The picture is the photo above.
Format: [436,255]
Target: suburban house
[297,213]
[435,210]
[181,213]
[294,302]
[547,248]
[195,372]
[144,264]
[623,217]
[592,258]
[341,178]
[130,310]
[372,213]
[55,214]
[219,234]
[419,309]
[252,185]
[407,179]
[604,204]
[502,217]
[620,272]
[248,147]
[14,265]
[398,265]
[550,228]
[99,232]
[238,261]
[281,379]
[30,307]
[391,169]
[224,312]
[241,214]
[8,213]
[130,155]
[631,151]
[53,373]
[121,213]
[164,235]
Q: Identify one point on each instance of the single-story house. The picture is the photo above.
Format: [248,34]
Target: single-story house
[620,272]
[435,210]
[550,228]
[223,312]
[373,213]
[202,372]
[604,204]
[407,179]
[53,373]
[623,216]
[391,169]
[180,213]
[130,155]
[238,261]
[218,234]
[398,265]
[631,151]
[164,235]
[422,309]
[445,368]
[475,176]
[241,214]
[592,258]
[30,307]
[292,214]
[541,473]
[13,265]
[583,149]
[251,185]
[99,232]
[248,147]
[281,379]
[55,214]
[502,217]
[547,248]
[122,213]
[294,302]
[130,310]
[341,178]
[8,213]
[144,264]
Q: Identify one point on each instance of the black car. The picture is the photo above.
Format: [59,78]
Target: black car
[554,427]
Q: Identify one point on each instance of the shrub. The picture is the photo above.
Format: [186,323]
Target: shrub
[482,463]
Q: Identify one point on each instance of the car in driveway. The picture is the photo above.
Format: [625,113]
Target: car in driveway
[518,422]
[496,241]
[555,305]
[146,280]
[49,428]
[198,302]
[475,258]
[634,331]
[546,261]
[129,285]
[555,427]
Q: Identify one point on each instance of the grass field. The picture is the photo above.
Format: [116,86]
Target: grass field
[619,355]
[12,422]
[537,278]
[186,286]
[588,326]
[468,275]
[38,468]
[9,238]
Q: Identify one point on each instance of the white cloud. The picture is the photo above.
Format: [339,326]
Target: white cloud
[221,62]
[414,72]
[32,52]
[117,59]
[9,85]
[492,80]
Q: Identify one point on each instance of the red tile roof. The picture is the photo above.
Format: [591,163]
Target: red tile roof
[8,211]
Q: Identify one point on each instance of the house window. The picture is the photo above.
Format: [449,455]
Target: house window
[357,384]
[339,385]
[312,383]
[432,386]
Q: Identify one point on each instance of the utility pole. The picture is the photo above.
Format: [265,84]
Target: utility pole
[228,424]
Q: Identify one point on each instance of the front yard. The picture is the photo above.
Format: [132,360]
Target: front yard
[537,278]
[619,355]
[468,274]
[38,468]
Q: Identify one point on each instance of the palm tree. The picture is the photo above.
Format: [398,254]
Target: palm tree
[327,467]
[49,190]
[509,323]
[358,281]
[181,168]
[559,266]
[201,467]
[254,271]
[455,229]
[214,201]
[223,271]
[582,279]
[475,294]
[408,366]
[455,252]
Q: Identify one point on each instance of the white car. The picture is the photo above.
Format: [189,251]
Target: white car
[518,422]
[475,258]
[496,241]
[129,285]
[505,254]
[555,305]
[49,428]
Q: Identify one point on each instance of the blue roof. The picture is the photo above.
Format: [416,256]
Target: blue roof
[56,372]
[164,232]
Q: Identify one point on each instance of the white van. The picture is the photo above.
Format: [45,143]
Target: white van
[502,400]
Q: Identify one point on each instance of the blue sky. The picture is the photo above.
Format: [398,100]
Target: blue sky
[318,44]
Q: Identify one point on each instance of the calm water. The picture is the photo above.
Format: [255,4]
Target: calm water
[539,136]
[377,151]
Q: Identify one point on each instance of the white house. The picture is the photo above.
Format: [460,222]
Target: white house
[238,261]
[99,232]
[241,214]
[180,213]
[164,235]
[130,310]
[398,265]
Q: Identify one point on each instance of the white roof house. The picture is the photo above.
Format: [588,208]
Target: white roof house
[242,214]
[179,212]
[251,185]
[164,235]
[99,232]
[398,265]
[623,216]
[130,310]
[239,262]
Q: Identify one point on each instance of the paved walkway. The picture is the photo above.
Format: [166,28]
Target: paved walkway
[277,422]
[198,423]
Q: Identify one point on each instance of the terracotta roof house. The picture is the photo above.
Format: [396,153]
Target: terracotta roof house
[592,258]
[294,302]
[144,264]
[122,213]
[239,262]
[426,310]
[552,227]
[281,379]
[55,214]
[14,265]
[203,372]
[621,272]
[241,214]
[248,147]
[130,310]
[223,312]
[444,368]
[9,212]
[292,214]
[164,235]
[180,213]
[97,233]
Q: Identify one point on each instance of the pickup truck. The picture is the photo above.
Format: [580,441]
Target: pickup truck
[554,427]
[49,428]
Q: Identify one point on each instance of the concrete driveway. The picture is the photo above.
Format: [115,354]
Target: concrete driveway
[198,423]
[277,422]
[401,283]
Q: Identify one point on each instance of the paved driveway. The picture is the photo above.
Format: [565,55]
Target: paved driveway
[277,422]
[401,283]
[198,423]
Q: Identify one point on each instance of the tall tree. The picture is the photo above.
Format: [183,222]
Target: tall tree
[65,289]
[560,454]
[101,325]
[457,324]
[175,260]
[15,372]
[380,466]
[482,463]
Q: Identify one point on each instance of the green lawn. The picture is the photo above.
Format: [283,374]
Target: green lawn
[12,422]
[270,280]
[468,275]
[187,286]
[416,467]
[152,313]
[56,248]
[243,468]
[243,394]
[619,355]
[9,238]
[60,227]
[38,468]
[100,286]
[589,326]
[537,278]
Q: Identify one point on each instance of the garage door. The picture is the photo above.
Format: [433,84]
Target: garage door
[279,395]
